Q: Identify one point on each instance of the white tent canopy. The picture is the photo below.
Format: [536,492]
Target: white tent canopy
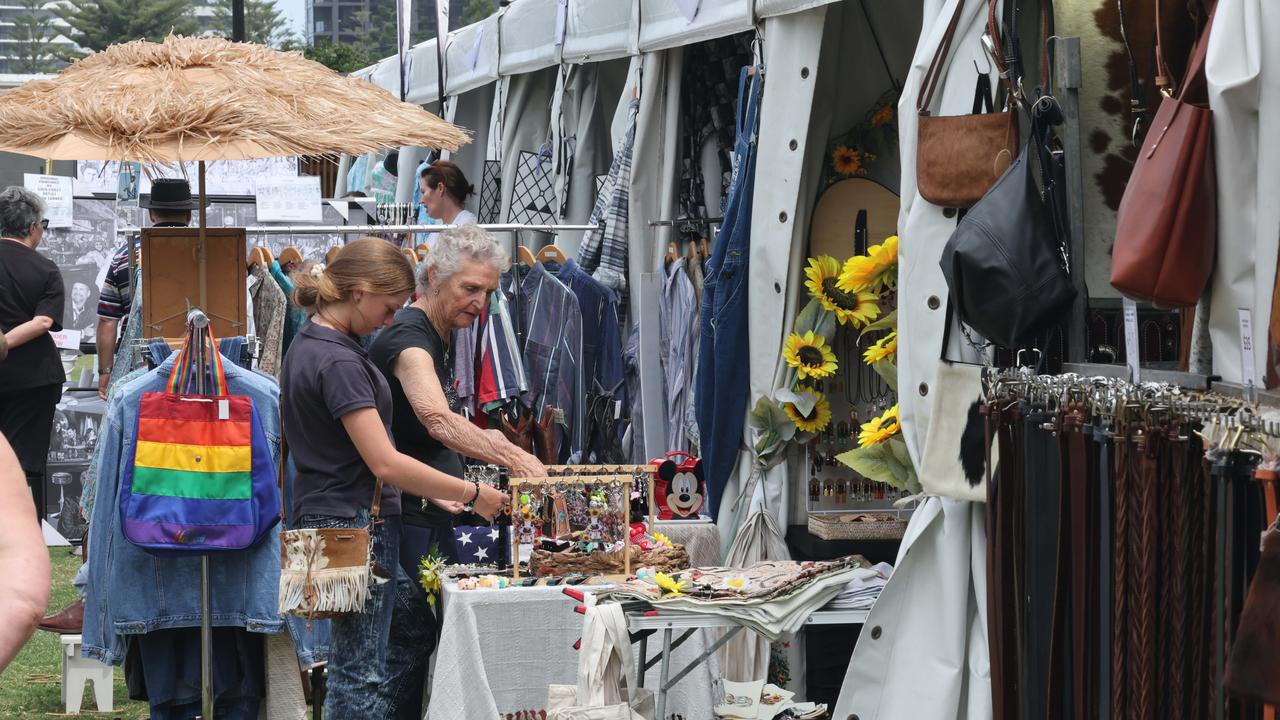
[521,38]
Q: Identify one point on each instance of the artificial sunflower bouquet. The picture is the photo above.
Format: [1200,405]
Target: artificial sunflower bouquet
[851,295]
[853,152]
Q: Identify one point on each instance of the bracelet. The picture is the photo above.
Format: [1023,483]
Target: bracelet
[475,497]
[104,371]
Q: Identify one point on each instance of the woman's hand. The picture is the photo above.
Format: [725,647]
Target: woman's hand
[527,466]
[490,502]
[452,506]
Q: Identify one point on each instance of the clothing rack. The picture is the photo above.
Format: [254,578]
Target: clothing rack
[367,229]
[691,221]
[142,348]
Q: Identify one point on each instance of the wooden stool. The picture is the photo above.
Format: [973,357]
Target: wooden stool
[76,671]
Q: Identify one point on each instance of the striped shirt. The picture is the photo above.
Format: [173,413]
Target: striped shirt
[116,297]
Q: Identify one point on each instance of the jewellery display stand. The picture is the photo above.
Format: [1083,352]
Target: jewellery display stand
[517,485]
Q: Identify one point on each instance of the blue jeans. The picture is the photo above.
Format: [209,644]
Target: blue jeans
[723,385]
[414,624]
[359,683]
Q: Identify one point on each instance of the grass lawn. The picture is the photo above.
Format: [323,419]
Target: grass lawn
[31,686]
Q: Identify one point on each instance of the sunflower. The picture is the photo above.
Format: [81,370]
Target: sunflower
[882,116]
[817,419]
[823,275]
[873,272]
[670,588]
[885,349]
[810,355]
[880,429]
[846,160]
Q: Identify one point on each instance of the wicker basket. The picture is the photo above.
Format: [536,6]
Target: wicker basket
[858,526]
[665,559]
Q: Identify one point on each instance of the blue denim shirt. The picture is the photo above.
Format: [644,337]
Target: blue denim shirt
[132,592]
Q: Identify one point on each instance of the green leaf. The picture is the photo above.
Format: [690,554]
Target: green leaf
[887,370]
[887,322]
[808,318]
[803,401]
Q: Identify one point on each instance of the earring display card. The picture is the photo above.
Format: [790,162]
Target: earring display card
[533,200]
[491,192]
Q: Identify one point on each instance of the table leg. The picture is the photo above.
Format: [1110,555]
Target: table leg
[644,656]
[665,675]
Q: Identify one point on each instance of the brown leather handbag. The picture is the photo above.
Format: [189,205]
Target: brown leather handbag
[959,157]
[1166,230]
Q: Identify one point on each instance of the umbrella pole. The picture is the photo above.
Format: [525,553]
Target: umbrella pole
[202,254]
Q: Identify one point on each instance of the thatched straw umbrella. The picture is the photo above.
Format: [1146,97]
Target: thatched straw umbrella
[188,99]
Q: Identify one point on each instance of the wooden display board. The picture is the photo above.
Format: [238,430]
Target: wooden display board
[180,272]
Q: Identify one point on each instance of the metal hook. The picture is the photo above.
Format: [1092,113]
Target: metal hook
[989,66]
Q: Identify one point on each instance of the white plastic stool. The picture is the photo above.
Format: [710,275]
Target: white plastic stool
[76,671]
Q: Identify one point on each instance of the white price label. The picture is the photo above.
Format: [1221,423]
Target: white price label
[1248,370]
[289,199]
[57,193]
[1132,352]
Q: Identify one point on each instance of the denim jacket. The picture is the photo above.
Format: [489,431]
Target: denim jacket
[132,592]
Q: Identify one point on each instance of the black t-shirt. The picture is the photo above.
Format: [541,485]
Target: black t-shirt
[412,329]
[30,285]
[326,375]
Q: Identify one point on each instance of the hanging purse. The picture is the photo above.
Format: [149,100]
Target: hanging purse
[199,476]
[325,572]
[1166,229]
[959,157]
[1004,264]
[957,448]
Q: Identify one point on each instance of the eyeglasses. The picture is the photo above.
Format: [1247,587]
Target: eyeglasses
[44,224]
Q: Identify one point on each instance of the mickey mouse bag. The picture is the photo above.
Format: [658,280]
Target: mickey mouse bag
[678,489]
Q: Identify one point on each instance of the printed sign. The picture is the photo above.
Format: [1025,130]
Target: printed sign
[289,199]
[57,192]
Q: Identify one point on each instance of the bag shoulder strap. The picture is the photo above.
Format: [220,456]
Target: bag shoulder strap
[1195,77]
[932,76]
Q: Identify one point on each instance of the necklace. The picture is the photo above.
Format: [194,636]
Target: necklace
[333,324]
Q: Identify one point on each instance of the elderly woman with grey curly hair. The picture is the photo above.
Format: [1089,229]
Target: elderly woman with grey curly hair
[461,272]
[31,299]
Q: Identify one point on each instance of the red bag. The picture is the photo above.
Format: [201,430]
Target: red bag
[1167,227]
[678,489]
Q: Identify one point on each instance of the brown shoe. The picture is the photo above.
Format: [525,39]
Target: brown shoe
[67,621]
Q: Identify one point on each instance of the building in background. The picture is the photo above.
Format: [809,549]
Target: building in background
[16,28]
[372,22]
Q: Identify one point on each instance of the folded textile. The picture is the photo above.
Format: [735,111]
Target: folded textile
[771,598]
[862,592]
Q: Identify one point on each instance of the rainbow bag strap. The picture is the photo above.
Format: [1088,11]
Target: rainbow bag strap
[182,379]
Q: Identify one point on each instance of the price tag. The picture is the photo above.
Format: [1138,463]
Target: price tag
[224,409]
[1248,371]
[1132,350]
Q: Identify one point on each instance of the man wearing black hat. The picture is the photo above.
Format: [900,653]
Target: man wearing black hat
[170,203]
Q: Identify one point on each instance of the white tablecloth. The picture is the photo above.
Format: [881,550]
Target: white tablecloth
[500,649]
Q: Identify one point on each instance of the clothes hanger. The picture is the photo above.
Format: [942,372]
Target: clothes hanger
[553,253]
[411,254]
[290,256]
[673,254]
[333,252]
[526,256]
[422,250]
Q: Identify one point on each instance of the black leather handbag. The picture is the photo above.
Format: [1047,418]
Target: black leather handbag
[1004,264]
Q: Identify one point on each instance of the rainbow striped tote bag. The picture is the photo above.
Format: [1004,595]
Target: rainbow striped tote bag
[199,476]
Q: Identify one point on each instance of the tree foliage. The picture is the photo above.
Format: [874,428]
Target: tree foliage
[477,10]
[338,57]
[96,24]
[264,23]
[33,34]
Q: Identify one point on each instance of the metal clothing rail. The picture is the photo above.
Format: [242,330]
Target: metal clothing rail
[366,229]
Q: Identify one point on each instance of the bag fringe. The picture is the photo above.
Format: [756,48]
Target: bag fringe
[335,590]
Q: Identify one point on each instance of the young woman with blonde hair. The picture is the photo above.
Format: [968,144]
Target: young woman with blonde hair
[336,415]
